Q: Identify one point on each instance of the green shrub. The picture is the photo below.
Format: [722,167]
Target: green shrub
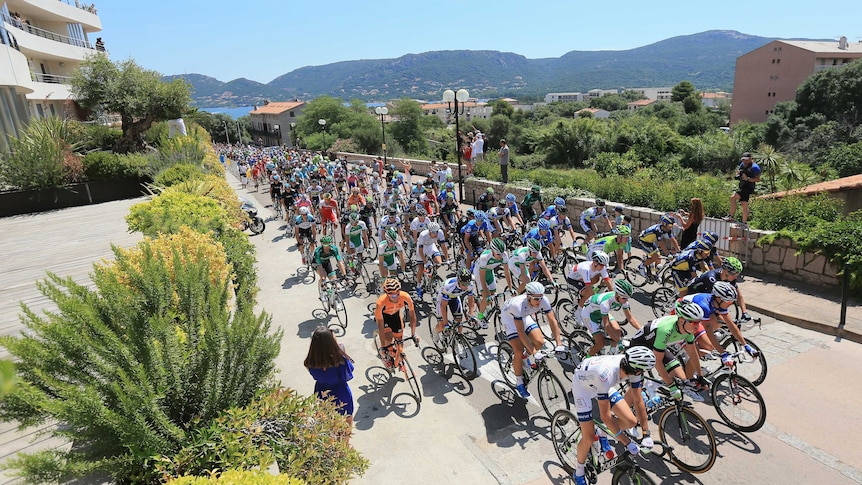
[304,435]
[172,209]
[132,365]
[238,477]
[795,212]
[42,157]
[107,165]
[178,173]
[845,159]
[610,163]
[100,137]
[527,162]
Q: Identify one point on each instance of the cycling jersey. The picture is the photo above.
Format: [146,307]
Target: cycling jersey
[428,243]
[707,303]
[513,208]
[686,261]
[320,256]
[607,244]
[521,259]
[653,234]
[450,290]
[498,213]
[661,333]
[304,223]
[388,310]
[419,225]
[386,222]
[531,198]
[519,309]
[534,234]
[448,206]
[583,272]
[561,222]
[592,214]
[327,208]
[598,306]
[354,232]
[489,263]
[597,378]
[550,211]
[387,250]
[705,282]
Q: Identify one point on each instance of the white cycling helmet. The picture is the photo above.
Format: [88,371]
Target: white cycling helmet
[601,257]
[303,211]
[639,358]
[689,310]
[535,288]
[433,227]
[724,291]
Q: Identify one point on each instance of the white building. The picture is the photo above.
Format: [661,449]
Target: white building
[565,97]
[41,44]
[658,94]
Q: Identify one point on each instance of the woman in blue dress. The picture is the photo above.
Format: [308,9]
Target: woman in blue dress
[331,367]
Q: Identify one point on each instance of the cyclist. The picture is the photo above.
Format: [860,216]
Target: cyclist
[276,192]
[553,209]
[356,236]
[328,211]
[428,199]
[356,198]
[597,378]
[390,221]
[470,233]
[304,230]
[449,210]
[314,190]
[514,211]
[708,238]
[715,305]
[427,250]
[541,233]
[584,275]
[523,331]
[390,246]
[448,189]
[323,256]
[498,215]
[419,223]
[730,271]
[387,312]
[486,200]
[596,314]
[589,217]
[652,241]
[615,243]
[483,272]
[666,331]
[529,201]
[450,297]
[524,262]
[684,266]
[562,224]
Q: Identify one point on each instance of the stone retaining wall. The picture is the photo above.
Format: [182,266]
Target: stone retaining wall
[778,259]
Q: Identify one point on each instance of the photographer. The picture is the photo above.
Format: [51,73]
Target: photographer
[748,175]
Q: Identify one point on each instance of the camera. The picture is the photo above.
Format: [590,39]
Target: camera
[738,175]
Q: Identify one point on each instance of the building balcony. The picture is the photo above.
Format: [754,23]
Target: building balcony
[50,87]
[36,42]
[65,11]
[18,76]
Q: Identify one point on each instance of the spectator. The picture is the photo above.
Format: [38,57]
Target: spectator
[479,147]
[503,155]
[691,222]
[331,367]
[748,175]
[100,45]
[467,148]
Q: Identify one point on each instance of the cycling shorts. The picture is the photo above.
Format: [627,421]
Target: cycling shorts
[393,322]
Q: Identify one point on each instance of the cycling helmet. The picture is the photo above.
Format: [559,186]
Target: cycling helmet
[421,212]
[534,288]
[393,211]
[510,197]
[732,265]
[327,239]
[534,244]
[498,245]
[601,257]
[700,245]
[464,275]
[304,211]
[354,208]
[559,201]
[391,284]
[449,185]
[544,225]
[490,190]
[433,227]
[536,189]
[666,219]
[689,310]
[623,288]
[391,234]
[355,190]
[480,216]
[354,216]
[450,196]
[724,291]
[624,230]
[501,203]
[276,177]
[600,203]
[710,237]
[327,196]
[639,358]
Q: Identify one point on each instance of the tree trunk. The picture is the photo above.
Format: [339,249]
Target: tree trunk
[132,139]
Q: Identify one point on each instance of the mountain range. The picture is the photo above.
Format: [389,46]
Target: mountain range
[706,59]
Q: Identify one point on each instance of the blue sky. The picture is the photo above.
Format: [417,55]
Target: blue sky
[261,40]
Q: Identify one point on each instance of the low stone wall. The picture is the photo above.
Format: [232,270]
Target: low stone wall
[420,167]
[778,259]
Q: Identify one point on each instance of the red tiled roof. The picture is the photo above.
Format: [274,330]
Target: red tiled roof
[642,102]
[838,185]
[277,108]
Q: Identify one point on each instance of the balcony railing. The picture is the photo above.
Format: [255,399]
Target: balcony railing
[89,8]
[50,78]
[47,34]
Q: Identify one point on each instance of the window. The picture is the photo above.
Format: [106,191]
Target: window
[778,61]
[292,115]
[773,61]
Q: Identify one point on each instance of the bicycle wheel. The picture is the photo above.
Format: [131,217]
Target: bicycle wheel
[340,310]
[690,438]
[552,394]
[325,302]
[629,475]
[376,337]
[411,378]
[663,299]
[738,402]
[437,339]
[632,274]
[464,357]
[505,357]
[752,368]
[566,315]
[565,435]
[371,252]
[579,342]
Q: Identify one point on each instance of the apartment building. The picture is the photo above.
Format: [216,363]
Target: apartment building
[658,94]
[472,108]
[271,123]
[771,74]
[565,97]
[41,44]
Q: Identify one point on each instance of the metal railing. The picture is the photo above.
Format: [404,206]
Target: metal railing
[46,34]
[51,78]
[88,8]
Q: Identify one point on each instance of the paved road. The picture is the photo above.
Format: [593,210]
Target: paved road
[477,432]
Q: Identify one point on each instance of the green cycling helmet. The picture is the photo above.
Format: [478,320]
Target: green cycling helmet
[326,240]
[624,230]
[732,265]
[354,216]
[623,288]
[498,245]
[534,244]
[391,234]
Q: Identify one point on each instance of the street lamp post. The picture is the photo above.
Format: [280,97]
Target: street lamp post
[383,111]
[293,133]
[459,98]
[226,134]
[238,133]
[277,130]
[322,123]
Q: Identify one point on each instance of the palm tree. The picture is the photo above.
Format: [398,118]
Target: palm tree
[770,161]
[796,174]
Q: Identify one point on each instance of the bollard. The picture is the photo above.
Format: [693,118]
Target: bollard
[845,293]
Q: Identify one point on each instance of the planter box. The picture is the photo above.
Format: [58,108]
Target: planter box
[28,201]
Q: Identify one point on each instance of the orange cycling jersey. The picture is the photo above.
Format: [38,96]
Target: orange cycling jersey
[389,307]
[356,199]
